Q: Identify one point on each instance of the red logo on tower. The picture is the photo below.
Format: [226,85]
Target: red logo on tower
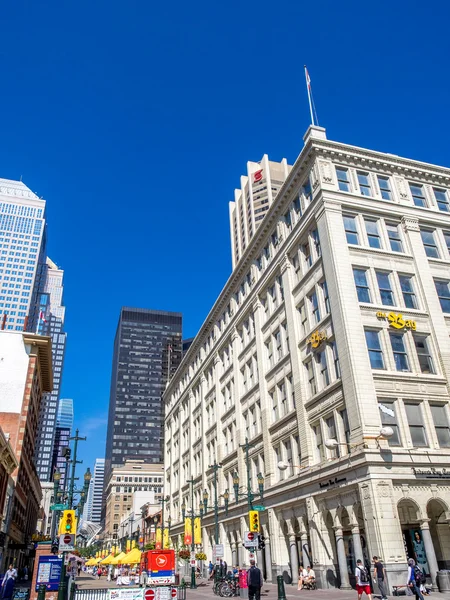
[257,176]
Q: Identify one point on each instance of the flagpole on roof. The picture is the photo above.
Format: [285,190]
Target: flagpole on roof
[312,108]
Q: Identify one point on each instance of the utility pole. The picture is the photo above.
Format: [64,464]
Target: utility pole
[74,462]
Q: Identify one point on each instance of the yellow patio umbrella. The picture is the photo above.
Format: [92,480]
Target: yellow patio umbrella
[88,563]
[117,559]
[107,560]
[132,558]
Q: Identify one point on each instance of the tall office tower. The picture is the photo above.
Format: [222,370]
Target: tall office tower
[22,248]
[147,351]
[50,321]
[93,508]
[63,431]
[259,189]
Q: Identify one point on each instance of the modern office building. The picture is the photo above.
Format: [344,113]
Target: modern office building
[126,484]
[259,188]
[22,254]
[64,416]
[50,322]
[25,376]
[93,509]
[147,349]
[333,360]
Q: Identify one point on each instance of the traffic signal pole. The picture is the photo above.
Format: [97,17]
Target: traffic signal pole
[74,461]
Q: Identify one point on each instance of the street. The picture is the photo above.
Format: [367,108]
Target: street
[269,590]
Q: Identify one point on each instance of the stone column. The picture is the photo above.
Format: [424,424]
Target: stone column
[357,547]
[294,557]
[234,558]
[305,550]
[268,559]
[429,549]
[342,559]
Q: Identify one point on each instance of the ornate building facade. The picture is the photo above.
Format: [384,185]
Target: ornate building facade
[329,350]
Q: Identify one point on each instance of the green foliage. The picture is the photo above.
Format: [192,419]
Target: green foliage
[150,546]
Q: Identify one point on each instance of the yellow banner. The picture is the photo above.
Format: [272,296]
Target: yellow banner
[188,531]
[197,530]
[133,544]
[166,538]
[158,539]
[128,545]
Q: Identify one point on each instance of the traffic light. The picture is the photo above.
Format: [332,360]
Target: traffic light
[65,452]
[68,523]
[253,518]
[55,547]
[262,542]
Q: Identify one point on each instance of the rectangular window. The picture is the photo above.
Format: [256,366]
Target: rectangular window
[364,183]
[385,187]
[409,297]
[343,180]
[315,307]
[447,239]
[320,454]
[326,298]
[307,190]
[423,353]
[443,291]
[417,194]
[395,240]
[441,425]
[374,348]
[303,317]
[351,231]
[399,350]
[362,287]
[346,427]
[315,237]
[311,378]
[384,285]
[321,359]
[337,368]
[373,235]
[306,250]
[331,433]
[389,418]
[415,422]
[441,199]
[429,243]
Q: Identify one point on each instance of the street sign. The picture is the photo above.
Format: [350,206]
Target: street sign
[250,539]
[66,542]
[259,508]
[49,572]
[218,551]
[58,507]
[160,593]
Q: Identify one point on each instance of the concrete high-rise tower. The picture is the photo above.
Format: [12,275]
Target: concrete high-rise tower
[147,351]
[259,189]
[93,508]
[50,322]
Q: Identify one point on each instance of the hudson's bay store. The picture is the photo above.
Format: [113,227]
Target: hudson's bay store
[329,350]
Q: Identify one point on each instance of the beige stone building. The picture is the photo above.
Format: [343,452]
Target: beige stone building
[134,476]
[332,330]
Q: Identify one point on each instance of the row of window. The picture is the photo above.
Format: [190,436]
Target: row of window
[405,352]
[366,181]
[388,290]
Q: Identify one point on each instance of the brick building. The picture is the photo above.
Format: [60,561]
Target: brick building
[8,464]
[25,375]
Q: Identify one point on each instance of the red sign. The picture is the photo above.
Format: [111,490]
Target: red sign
[67,539]
[149,594]
[161,561]
[250,536]
[174,592]
[257,176]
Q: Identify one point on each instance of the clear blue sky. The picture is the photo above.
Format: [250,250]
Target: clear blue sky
[135,120]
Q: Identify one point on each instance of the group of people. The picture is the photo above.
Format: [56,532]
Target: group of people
[306,577]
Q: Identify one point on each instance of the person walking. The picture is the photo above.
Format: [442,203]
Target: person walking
[8,582]
[415,577]
[254,581]
[362,580]
[379,574]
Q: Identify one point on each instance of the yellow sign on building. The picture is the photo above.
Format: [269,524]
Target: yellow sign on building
[397,321]
[317,338]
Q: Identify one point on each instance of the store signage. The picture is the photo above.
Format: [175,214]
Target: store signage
[397,321]
[432,473]
[317,338]
[331,482]
[49,572]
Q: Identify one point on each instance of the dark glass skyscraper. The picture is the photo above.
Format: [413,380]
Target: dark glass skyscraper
[147,349]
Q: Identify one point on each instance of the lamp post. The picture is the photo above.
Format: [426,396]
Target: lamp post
[163,501]
[193,517]
[123,525]
[56,480]
[250,494]
[74,462]
[169,522]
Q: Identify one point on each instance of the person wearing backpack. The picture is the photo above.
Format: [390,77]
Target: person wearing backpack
[362,580]
[254,581]
[415,578]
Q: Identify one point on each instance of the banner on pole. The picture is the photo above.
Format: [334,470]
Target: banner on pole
[188,530]
[197,530]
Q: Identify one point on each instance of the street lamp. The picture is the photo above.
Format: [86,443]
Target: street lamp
[249,494]
[193,517]
[169,523]
[386,432]
[56,480]
[163,501]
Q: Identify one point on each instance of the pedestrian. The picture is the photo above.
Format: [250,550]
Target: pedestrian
[210,568]
[254,581]
[143,578]
[362,580]
[301,576]
[8,582]
[379,574]
[415,578]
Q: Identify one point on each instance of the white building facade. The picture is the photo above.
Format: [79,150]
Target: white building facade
[334,324]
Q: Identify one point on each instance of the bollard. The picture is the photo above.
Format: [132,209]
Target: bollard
[41,592]
[72,590]
[280,588]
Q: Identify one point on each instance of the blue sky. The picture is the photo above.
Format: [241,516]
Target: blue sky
[135,120]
